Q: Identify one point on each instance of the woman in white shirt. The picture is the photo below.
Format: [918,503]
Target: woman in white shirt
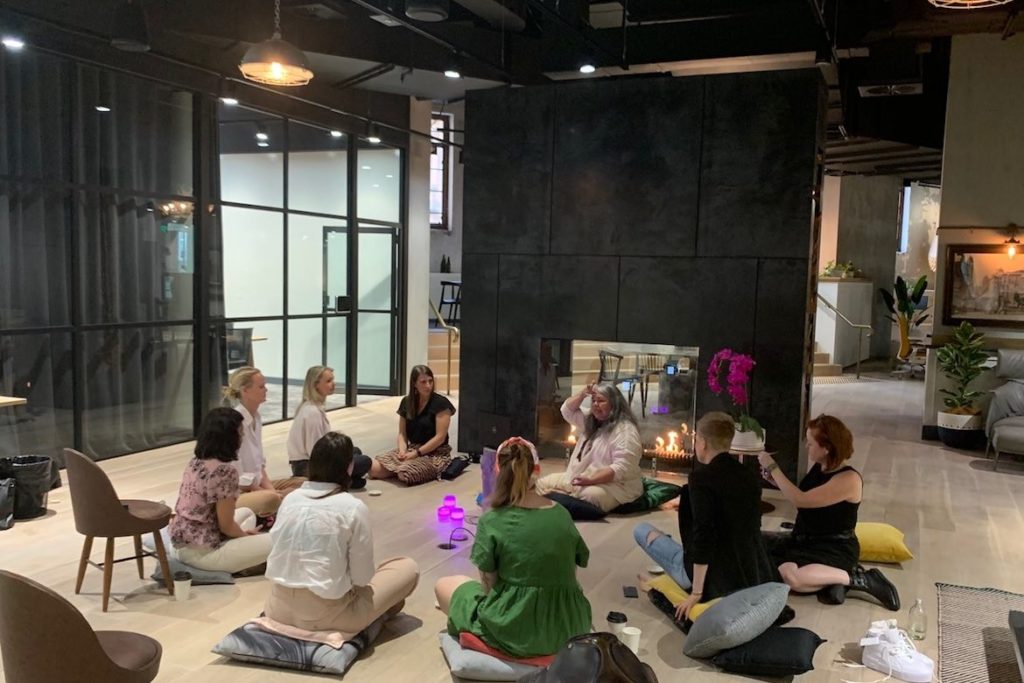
[260,493]
[604,468]
[321,566]
[311,423]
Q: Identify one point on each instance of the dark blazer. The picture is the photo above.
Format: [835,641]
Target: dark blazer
[720,526]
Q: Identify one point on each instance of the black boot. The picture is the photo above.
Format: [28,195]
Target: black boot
[832,595]
[874,583]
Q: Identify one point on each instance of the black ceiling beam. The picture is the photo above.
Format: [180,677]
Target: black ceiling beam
[363,76]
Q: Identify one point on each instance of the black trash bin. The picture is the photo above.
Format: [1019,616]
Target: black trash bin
[33,477]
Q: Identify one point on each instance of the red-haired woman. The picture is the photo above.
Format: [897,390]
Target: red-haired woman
[821,555]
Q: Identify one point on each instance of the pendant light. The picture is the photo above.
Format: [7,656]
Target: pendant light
[130,33]
[275,61]
[968,4]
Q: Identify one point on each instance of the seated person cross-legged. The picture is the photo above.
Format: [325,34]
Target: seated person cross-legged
[209,531]
[604,468]
[719,523]
[260,493]
[321,567]
[528,602]
[423,452]
[821,554]
[311,423]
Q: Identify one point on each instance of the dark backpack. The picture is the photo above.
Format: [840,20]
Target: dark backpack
[594,658]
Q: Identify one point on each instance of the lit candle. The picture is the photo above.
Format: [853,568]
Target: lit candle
[672,446]
[444,513]
[457,515]
[659,444]
[449,501]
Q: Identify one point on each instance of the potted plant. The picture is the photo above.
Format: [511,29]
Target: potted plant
[749,433]
[902,302]
[962,360]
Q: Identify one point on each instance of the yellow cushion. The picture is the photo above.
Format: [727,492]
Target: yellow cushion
[881,543]
[676,595]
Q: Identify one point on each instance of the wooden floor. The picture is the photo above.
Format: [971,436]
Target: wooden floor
[963,522]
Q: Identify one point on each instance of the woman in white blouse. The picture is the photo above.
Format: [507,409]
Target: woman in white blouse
[604,468]
[311,423]
[321,566]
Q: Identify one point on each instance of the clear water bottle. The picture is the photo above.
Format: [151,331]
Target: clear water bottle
[918,621]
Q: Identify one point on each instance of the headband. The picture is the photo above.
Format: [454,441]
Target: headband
[520,440]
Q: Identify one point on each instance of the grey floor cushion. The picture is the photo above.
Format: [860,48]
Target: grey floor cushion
[249,643]
[736,619]
[477,666]
[200,577]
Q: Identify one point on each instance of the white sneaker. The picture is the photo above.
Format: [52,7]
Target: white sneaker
[889,650]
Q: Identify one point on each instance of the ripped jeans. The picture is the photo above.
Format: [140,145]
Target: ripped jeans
[665,551]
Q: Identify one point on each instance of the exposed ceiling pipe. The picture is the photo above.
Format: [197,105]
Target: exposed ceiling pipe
[363,76]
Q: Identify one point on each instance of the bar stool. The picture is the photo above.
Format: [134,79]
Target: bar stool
[451,296]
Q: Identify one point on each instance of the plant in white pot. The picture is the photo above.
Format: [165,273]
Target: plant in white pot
[749,433]
[962,360]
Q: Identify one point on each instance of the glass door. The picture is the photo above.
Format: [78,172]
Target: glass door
[337,304]
[378,309]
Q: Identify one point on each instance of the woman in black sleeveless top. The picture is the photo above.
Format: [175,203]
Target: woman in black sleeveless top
[821,555]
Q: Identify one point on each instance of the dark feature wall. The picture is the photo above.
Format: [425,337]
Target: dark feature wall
[660,210]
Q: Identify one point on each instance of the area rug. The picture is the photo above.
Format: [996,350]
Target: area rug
[975,641]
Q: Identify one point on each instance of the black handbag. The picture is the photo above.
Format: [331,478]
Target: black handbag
[7,487]
[594,658]
[455,468]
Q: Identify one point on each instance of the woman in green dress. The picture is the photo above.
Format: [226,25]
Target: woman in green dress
[527,602]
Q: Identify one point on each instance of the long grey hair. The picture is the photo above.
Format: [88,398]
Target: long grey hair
[620,411]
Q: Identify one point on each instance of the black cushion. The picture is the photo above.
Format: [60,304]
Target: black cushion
[579,510]
[776,652]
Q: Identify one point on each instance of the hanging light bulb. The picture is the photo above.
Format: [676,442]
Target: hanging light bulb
[275,61]
[373,135]
[1011,249]
[130,33]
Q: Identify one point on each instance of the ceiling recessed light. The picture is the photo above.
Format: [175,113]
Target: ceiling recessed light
[230,101]
[587,69]
[263,143]
[102,108]
[366,168]
[389,176]
[336,133]
[452,73]
[376,184]
[12,43]
[262,135]
[373,140]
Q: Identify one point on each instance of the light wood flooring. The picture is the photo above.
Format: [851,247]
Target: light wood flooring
[963,522]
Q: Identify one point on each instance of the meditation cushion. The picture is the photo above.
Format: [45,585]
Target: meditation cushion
[676,595]
[881,543]
[655,493]
[736,619]
[776,652]
[579,510]
[470,641]
[200,577]
[478,666]
[250,643]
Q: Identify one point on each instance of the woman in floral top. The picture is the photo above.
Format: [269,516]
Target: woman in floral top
[207,531]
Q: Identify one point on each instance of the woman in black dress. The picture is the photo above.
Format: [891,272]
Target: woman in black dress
[719,522]
[423,419]
[821,554]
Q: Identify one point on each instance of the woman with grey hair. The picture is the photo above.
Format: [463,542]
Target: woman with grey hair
[604,468]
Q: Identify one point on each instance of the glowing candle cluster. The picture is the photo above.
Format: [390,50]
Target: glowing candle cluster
[450,511]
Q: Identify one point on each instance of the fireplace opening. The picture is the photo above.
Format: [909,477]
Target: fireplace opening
[658,381]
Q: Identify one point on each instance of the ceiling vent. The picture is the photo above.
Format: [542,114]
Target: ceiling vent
[427,10]
[890,89]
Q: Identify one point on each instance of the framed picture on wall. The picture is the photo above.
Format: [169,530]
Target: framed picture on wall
[984,286]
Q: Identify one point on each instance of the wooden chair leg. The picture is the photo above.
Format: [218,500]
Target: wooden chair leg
[161,556]
[108,571]
[83,563]
[995,462]
[138,555]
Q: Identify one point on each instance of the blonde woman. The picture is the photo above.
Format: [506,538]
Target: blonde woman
[527,602]
[311,423]
[260,493]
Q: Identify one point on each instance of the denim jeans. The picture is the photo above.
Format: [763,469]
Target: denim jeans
[665,551]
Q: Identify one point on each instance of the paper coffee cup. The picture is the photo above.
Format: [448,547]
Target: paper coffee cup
[616,622]
[630,637]
[182,586]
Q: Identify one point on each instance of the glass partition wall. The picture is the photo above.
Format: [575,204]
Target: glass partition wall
[103,286]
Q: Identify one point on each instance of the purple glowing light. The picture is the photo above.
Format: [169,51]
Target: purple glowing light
[450,501]
[444,513]
[458,514]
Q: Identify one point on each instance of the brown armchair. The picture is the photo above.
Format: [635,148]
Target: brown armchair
[34,620]
[99,512]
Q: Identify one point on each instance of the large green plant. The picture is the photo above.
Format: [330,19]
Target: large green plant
[962,360]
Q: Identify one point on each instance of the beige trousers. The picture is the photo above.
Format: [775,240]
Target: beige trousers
[265,502]
[394,581]
[232,555]
[562,483]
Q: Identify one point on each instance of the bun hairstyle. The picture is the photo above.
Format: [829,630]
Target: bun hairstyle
[238,380]
[517,464]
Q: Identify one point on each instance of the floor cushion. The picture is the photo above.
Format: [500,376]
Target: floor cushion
[200,577]
[655,493]
[250,643]
[478,666]
[736,619]
[776,652]
[676,595]
[470,641]
[881,543]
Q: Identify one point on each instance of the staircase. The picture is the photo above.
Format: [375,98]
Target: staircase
[824,367]
[437,359]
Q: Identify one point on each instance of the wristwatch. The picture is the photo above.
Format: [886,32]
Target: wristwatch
[771,468]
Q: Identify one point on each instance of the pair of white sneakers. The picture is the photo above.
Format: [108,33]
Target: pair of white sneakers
[889,650]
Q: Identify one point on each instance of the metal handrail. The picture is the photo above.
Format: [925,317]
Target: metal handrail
[860,335]
[452,331]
